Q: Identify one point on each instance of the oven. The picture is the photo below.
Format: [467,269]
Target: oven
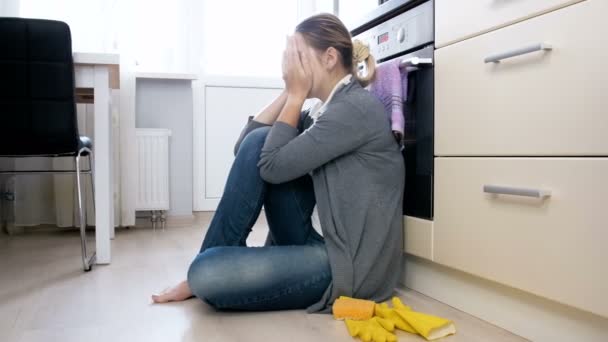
[404,29]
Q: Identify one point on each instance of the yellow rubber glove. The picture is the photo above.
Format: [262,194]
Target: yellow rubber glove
[382,310]
[375,329]
[430,327]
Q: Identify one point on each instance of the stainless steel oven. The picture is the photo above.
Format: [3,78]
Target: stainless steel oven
[404,29]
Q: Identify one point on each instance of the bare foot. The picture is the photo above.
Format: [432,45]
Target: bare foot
[177,293]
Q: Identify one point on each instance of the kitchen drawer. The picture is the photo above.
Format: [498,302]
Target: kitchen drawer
[554,247]
[458,20]
[544,103]
[418,235]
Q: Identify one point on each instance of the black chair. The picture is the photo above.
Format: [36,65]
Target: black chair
[37,102]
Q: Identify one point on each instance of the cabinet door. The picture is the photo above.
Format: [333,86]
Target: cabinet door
[543,103]
[458,20]
[553,246]
[418,236]
[226,112]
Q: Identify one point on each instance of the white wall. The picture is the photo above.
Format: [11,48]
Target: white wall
[9,8]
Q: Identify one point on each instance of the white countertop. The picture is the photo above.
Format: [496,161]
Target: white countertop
[96,58]
[166,75]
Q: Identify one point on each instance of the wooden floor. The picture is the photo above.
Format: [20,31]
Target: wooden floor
[45,296]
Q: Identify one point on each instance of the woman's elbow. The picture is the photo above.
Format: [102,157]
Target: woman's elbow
[274,169]
[270,171]
[269,175]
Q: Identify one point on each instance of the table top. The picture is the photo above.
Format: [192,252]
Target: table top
[86,60]
[96,58]
[166,75]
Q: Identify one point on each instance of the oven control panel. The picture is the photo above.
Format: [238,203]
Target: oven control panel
[401,33]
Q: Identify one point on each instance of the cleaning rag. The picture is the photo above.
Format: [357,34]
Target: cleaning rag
[390,87]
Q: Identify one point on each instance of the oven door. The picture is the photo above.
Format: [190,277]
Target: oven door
[418,150]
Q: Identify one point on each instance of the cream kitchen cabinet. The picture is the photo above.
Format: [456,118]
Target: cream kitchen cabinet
[542,103]
[488,223]
[521,147]
[458,20]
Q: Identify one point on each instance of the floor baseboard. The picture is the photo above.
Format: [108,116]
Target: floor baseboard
[524,314]
[172,221]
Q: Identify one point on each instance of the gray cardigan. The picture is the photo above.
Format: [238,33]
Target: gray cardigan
[358,176]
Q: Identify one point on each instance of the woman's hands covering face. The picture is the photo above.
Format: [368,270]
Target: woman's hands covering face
[297,71]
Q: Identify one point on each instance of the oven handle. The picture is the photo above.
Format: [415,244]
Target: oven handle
[416,61]
[518,52]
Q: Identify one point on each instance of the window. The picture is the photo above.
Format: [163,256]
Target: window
[353,11]
[228,38]
[128,27]
[246,38]
[349,11]
[86,19]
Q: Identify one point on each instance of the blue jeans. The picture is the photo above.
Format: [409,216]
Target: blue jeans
[291,272]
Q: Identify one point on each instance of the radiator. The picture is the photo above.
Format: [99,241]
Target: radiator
[152,169]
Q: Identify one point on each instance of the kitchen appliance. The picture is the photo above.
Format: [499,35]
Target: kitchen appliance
[404,29]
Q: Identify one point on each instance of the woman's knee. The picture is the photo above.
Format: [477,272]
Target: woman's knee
[209,275]
[254,141]
[203,275]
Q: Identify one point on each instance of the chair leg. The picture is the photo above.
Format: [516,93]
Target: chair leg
[92,180]
[86,261]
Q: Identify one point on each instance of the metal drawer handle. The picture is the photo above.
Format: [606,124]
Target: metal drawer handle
[506,190]
[518,52]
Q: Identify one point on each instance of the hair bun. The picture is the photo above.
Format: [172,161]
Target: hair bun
[360,51]
[361,55]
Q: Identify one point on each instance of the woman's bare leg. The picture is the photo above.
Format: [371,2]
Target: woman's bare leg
[176,293]
[237,211]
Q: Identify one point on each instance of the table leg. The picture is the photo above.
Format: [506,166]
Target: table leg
[102,152]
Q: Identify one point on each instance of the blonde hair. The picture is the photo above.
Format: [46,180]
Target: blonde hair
[361,54]
[323,31]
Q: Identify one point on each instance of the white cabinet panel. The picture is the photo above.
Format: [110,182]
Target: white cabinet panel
[544,103]
[458,20]
[226,112]
[418,235]
[553,247]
